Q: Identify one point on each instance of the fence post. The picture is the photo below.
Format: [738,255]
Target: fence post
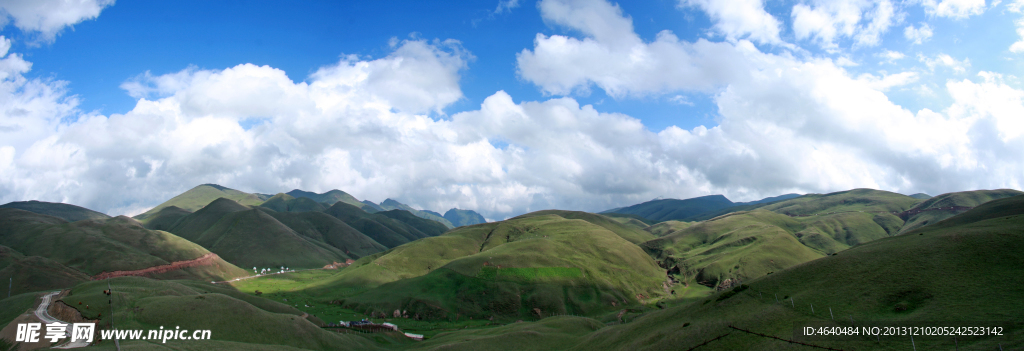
[913,344]
[812,308]
[792,303]
[830,313]
[776,298]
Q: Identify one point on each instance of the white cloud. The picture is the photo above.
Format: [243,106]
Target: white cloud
[944,60]
[49,17]
[918,35]
[506,6]
[891,56]
[786,124]
[828,21]
[1017,6]
[958,9]
[740,19]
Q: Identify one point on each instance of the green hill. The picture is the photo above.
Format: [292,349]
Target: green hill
[327,199]
[380,228]
[70,213]
[673,209]
[390,204]
[507,269]
[966,268]
[630,233]
[741,245]
[844,201]
[461,218]
[165,218]
[253,238]
[921,196]
[667,227]
[35,273]
[629,219]
[286,203]
[325,228]
[93,246]
[948,205]
[428,227]
[237,321]
[200,196]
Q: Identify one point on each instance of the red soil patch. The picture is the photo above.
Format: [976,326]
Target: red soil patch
[205,260]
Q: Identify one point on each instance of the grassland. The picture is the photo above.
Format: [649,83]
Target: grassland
[439,278]
[70,213]
[239,319]
[667,227]
[948,205]
[93,246]
[200,196]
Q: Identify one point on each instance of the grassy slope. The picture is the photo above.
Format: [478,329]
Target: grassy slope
[67,212]
[286,203]
[200,196]
[844,201]
[439,277]
[966,269]
[630,233]
[35,273]
[958,199]
[384,230]
[742,245]
[428,227]
[325,228]
[461,218]
[673,209]
[252,237]
[165,218]
[329,198]
[390,204]
[94,246]
[667,227]
[141,303]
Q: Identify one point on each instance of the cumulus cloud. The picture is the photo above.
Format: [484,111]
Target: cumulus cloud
[958,9]
[891,56]
[944,60]
[918,35]
[786,124]
[1017,6]
[828,21]
[740,19]
[49,17]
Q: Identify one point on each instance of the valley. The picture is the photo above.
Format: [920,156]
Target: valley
[282,271]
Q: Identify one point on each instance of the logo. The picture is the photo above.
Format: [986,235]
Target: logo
[30,332]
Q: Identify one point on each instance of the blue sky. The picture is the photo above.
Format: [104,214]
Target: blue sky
[506,107]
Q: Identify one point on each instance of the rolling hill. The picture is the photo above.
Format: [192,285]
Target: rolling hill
[461,218]
[390,204]
[165,218]
[380,228]
[541,261]
[96,246]
[966,268]
[253,238]
[200,196]
[325,228]
[286,203]
[70,213]
[948,205]
[673,209]
[327,199]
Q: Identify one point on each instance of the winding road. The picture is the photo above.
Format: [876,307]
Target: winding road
[43,315]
